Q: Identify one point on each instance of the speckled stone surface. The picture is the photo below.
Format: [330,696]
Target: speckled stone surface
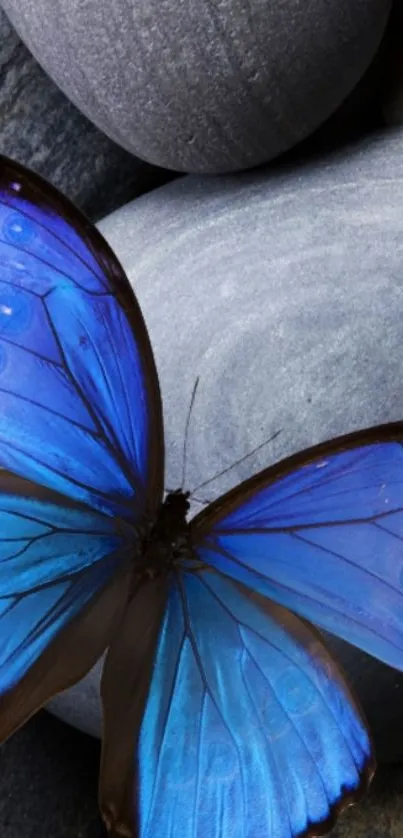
[48,782]
[42,129]
[206,87]
[283,292]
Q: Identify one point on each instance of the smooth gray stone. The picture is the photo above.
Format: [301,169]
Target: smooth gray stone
[48,782]
[42,129]
[284,293]
[204,87]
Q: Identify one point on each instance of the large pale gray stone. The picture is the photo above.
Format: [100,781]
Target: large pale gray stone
[284,293]
[206,87]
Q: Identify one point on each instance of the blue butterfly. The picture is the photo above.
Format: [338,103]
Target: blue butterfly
[224,715]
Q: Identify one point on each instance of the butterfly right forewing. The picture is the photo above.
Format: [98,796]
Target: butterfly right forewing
[322,534]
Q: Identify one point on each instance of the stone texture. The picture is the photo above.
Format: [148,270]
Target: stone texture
[42,129]
[204,88]
[48,782]
[283,292]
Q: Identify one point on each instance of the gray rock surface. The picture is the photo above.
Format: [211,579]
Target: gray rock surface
[204,87]
[42,129]
[284,293]
[48,782]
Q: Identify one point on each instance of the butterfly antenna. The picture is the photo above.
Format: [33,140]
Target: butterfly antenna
[186,437]
[237,463]
[199,500]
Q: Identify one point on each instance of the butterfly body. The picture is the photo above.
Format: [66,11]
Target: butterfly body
[164,542]
[224,714]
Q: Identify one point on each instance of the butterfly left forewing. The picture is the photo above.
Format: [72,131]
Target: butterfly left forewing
[245,726]
[80,407]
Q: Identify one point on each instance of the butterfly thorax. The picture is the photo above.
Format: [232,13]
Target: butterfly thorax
[166,541]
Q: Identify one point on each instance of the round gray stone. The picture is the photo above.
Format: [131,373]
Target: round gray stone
[284,293]
[204,87]
[41,128]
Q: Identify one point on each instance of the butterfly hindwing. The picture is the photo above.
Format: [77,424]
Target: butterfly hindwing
[322,534]
[63,583]
[125,686]
[248,730]
[80,408]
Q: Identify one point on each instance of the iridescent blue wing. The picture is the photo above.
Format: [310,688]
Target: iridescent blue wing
[80,408]
[81,441]
[63,584]
[242,727]
[322,534]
